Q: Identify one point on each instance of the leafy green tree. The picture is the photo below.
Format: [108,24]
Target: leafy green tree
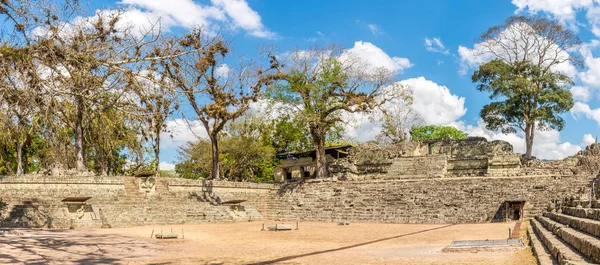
[321,84]
[435,132]
[245,153]
[525,97]
[524,81]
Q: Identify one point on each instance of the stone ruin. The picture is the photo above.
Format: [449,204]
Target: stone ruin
[473,180]
[473,157]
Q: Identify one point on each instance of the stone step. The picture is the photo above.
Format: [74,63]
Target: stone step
[590,213]
[585,244]
[560,250]
[543,255]
[586,225]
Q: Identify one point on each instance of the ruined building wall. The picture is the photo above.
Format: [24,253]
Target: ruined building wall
[443,200]
[391,195]
[36,201]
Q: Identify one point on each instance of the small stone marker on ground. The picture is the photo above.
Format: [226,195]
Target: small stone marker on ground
[279,227]
[166,236]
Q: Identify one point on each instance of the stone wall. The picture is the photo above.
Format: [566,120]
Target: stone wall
[441,200]
[37,201]
[408,189]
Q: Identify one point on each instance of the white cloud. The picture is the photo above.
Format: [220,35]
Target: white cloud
[435,45]
[435,103]
[222,70]
[591,76]
[188,14]
[580,93]
[432,102]
[320,34]
[181,133]
[375,57]
[166,166]
[185,12]
[244,17]
[375,30]
[582,109]
[588,139]
[564,10]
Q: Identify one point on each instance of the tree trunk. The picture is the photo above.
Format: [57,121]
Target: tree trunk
[529,134]
[215,157]
[320,157]
[79,144]
[157,153]
[19,158]
[104,167]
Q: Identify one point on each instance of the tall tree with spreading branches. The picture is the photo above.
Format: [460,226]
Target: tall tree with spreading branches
[526,75]
[322,84]
[216,92]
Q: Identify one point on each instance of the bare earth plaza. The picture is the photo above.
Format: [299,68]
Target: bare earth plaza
[297,132]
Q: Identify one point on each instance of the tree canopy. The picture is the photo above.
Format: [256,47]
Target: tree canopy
[435,132]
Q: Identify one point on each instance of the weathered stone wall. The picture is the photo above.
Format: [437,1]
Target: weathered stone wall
[411,192]
[417,166]
[36,201]
[441,200]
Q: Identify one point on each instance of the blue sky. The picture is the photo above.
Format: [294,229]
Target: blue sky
[418,39]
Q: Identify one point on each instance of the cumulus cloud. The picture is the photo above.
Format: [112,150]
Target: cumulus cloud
[179,132]
[375,57]
[564,10]
[244,17]
[435,103]
[582,109]
[188,14]
[580,93]
[436,45]
[222,70]
[166,166]
[588,139]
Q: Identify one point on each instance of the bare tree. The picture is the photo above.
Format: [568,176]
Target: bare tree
[217,93]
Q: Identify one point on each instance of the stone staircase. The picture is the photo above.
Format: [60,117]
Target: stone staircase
[568,236]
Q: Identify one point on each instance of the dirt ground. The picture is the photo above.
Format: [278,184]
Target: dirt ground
[245,243]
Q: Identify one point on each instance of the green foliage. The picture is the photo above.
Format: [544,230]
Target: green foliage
[435,132]
[290,133]
[245,153]
[523,94]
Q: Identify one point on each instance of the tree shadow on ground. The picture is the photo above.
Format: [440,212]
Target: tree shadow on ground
[346,247]
[28,246]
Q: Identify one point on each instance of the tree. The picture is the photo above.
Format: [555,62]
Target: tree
[158,101]
[397,118]
[527,97]
[527,75]
[323,83]
[217,93]
[245,153]
[435,132]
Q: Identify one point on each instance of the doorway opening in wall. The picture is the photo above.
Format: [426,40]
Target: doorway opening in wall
[513,209]
[288,175]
